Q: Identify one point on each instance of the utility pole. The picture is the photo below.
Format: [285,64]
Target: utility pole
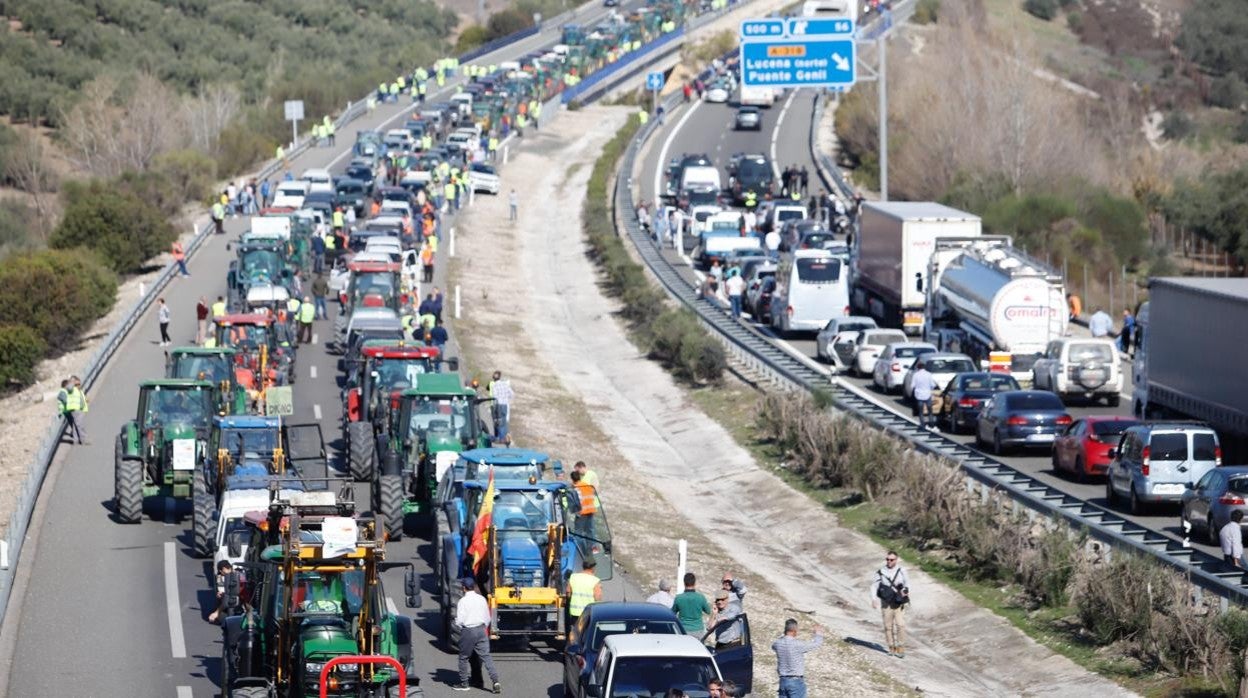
[882,86]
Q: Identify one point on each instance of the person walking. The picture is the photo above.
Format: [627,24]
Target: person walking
[513,202]
[922,387]
[307,313]
[891,592]
[320,291]
[735,285]
[472,616]
[663,596]
[218,217]
[583,588]
[690,606]
[202,312]
[62,408]
[1128,332]
[502,393]
[1231,536]
[162,316]
[76,409]
[791,659]
[179,256]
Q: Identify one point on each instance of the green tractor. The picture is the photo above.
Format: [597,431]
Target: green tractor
[258,262]
[212,364]
[435,421]
[159,451]
[310,600]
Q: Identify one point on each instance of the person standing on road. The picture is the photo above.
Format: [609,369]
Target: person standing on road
[1075,305]
[201,319]
[502,393]
[1231,536]
[690,606]
[162,316]
[62,408]
[663,596]
[320,291]
[76,409]
[922,387]
[472,615]
[587,497]
[791,659]
[583,588]
[726,609]
[426,262]
[307,313]
[218,308]
[179,256]
[772,241]
[1128,332]
[318,253]
[218,217]
[735,285]
[588,476]
[264,194]
[1100,323]
[735,587]
[804,178]
[891,591]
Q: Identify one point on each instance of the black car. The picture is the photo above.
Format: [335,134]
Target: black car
[322,201]
[602,620]
[752,173]
[351,192]
[965,394]
[1028,418]
[362,174]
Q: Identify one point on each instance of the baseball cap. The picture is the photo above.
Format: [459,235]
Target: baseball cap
[721,595]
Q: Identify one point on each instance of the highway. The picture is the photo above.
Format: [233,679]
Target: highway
[104,609]
[706,128]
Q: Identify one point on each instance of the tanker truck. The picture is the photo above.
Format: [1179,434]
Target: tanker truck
[1188,364]
[989,300]
[890,256]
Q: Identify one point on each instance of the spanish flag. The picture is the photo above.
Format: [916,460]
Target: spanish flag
[481,532]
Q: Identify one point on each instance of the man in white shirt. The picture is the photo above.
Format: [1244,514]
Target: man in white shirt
[678,231]
[472,617]
[1231,536]
[1100,323]
[663,596]
[922,385]
[735,285]
[772,241]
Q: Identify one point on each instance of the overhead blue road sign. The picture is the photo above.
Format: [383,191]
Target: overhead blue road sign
[654,81]
[789,63]
[761,28]
[805,26]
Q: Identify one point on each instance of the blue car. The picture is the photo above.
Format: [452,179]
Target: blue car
[1028,418]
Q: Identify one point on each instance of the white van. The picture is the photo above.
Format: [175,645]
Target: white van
[290,194]
[812,287]
[701,177]
[318,179]
[831,9]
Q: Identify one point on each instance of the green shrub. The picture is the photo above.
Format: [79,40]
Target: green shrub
[15,233]
[126,230]
[1121,223]
[1074,20]
[508,21]
[471,38]
[240,148]
[1043,9]
[1228,92]
[190,173]
[926,11]
[74,289]
[21,349]
[1177,125]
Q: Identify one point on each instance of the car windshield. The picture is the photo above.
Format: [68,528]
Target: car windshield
[854,326]
[1033,401]
[653,676]
[817,240]
[989,381]
[334,594]
[788,214]
[911,352]
[261,441]
[884,339]
[1091,351]
[440,415]
[1111,428]
[246,337]
[372,284]
[191,406]
[361,173]
[483,169]
[821,270]
[398,374]
[701,198]
[948,365]
[350,188]
[202,368]
[1171,446]
[753,169]
[606,628]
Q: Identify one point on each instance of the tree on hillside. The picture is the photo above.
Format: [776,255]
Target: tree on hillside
[27,166]
[1215,36]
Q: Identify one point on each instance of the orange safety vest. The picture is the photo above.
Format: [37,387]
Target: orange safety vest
[426,256]
[589,500]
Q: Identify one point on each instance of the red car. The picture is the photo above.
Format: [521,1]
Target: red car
[1083,449]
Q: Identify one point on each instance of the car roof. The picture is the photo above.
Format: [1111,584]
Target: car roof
[633,610]
[656,646]
[882,330]
[946,355]
[911,345]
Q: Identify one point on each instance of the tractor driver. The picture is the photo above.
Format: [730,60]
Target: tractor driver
[321,598]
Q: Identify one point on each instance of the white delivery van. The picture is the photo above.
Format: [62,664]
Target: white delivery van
[812,287]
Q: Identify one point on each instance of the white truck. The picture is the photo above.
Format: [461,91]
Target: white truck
[1188,364]
[890,254]
[985,298]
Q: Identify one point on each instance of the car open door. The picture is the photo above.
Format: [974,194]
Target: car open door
[735,659]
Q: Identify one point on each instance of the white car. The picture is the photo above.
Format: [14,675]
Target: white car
[483,177]
[869,345]
[290,194]
[318,180]
[233,535]
[943,367]
[895,360]
[400,137]
[718,93]
[1083,367]
[826,350]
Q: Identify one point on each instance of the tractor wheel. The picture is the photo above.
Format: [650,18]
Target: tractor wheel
[128,490]
[203,519]
[390,504]
[453,630]
[362,451]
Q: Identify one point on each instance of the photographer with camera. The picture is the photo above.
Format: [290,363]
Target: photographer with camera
[891,591]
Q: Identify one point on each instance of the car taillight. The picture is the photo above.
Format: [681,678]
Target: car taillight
[1016,421]
[1231,499]
[967,402]
[1217,455]
[1064,420]
[896,367]
[1144,462]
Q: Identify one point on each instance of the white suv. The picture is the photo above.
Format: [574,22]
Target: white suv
[1086,367]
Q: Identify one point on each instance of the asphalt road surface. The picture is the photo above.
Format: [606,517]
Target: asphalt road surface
[705,128]
[104,609]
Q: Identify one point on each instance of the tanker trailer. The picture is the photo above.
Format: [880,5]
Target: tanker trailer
[990,301]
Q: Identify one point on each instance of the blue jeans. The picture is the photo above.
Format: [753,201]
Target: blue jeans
[501,419]
[792,687]
[924,410]
[735,300]
[321,312]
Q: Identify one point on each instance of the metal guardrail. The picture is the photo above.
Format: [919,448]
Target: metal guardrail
[28,493]
[760,353]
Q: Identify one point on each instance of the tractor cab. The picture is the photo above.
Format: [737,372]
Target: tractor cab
[386,369]
[265,346]
[215,365]
[373,285]
[257,263]
[267,299]
[317,595]
[507,464]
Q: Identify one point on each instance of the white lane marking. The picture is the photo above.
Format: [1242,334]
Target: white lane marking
[173,607]
[775,133]
[312,371]
[315,338]
[185,692]
[667,144]
[316,412]
[394,610]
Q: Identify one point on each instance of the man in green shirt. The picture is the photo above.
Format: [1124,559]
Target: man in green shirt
[690,606]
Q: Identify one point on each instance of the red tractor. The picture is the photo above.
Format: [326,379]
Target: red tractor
[384,372]
[265,353]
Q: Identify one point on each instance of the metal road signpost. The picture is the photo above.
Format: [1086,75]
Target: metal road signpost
[654,83]
[798,52]
[294,112]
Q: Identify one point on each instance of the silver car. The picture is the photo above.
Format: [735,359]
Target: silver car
[894,361]
[843,353]
[1208,504]
[749,118]
[1156,463]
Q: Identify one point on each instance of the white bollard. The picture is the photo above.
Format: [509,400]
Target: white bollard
[505,149]
[456,301]
[142,289]
[451,242]
[682,558]
[472,195]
